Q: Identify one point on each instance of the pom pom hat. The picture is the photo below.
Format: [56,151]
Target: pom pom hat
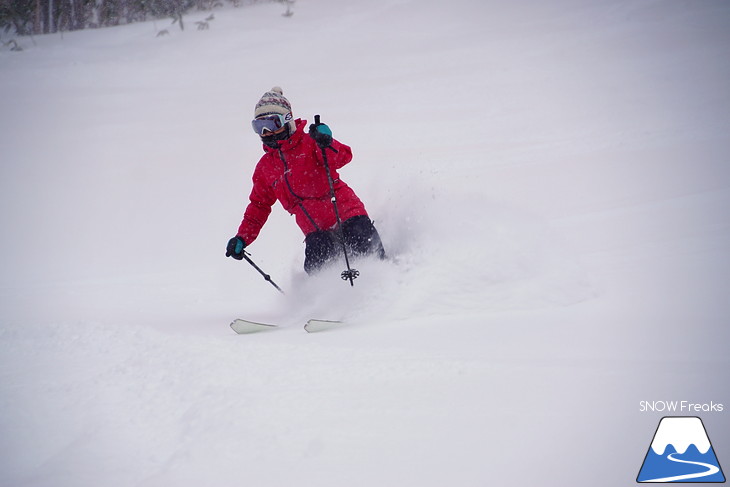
[272,102]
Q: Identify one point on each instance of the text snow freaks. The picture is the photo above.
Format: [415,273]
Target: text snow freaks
[679,407]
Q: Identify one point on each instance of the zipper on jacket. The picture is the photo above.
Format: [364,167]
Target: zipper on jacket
[291,190]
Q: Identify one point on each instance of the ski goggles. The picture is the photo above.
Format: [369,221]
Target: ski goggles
[270,123]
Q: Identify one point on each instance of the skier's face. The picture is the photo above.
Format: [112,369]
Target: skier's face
[267,133]
[272,123]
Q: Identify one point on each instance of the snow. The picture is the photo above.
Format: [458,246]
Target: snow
[550,178]
[680,432]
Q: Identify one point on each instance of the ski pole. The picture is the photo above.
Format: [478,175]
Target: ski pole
[349,274]
[266,276]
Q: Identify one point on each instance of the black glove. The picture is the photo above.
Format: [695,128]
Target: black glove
[235,248]
[321,134]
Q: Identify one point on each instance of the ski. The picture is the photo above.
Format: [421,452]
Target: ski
[314,326]
[243,327]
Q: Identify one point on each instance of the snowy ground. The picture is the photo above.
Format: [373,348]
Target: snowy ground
[551,177]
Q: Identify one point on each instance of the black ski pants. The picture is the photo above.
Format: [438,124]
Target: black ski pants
[361,238]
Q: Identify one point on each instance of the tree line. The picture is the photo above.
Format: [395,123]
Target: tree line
[28,17]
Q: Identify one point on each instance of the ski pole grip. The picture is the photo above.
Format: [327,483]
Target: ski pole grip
[316,120]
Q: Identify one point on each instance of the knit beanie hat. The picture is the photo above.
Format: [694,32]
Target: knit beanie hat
[273,101]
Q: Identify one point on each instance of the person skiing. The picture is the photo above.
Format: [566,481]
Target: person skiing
[292,171]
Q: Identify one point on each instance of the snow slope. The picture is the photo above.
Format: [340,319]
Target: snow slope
[551,178]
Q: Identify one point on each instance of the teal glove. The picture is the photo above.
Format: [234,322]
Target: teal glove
[321,134]
[235,248]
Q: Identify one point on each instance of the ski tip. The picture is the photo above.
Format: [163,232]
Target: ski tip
[243,327]
[314,326]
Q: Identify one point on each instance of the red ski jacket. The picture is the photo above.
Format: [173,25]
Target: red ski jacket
[295,175]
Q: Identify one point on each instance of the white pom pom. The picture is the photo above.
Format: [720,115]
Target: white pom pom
[277,89]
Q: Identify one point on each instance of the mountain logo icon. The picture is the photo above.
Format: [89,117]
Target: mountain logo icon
[681,452]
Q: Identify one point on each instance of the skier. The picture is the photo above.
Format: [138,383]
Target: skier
[292,171]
